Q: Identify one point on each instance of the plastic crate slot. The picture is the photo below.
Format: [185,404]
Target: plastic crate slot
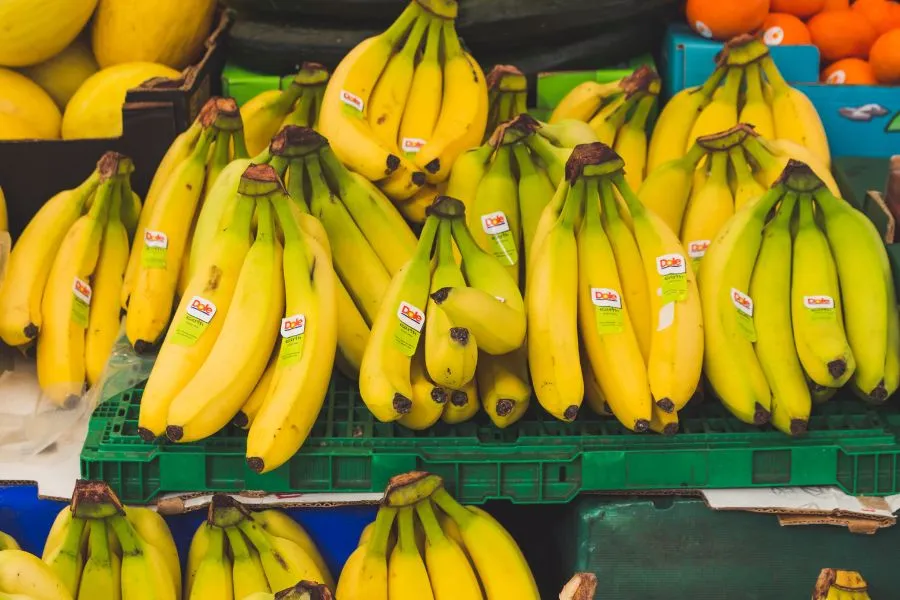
[771,467]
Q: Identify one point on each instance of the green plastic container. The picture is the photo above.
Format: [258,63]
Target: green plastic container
[538,460]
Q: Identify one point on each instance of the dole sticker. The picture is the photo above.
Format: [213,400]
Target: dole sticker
[409,329]
[201,308]
[670,264]
[412,145]
[818,302]
[697,248]
[494,223]
[411,316]
[81,306]
[742,302]
[352,100]
[155,239]
[293,326]
[606,298]
[82,290]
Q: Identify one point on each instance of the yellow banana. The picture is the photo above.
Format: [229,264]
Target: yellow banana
[503,386]
[144,575]
[747,188]
[246,567]
[535,193]
[101,577]
[4,216]
[24,574]
[423,107]
[494,217]
[722,112]
[214,574]
[663,422]
[468,171]
[284,562]
[365,576]
[196,552]
[772,156]
[449,571]
[710,206]
[244,418]
[407,575]
[352,333]
[280,524]
[67,560]
[756,110]
[610,119]
[152,528]
[631,142]
[593,394]
[584,100]
[463,404]
[667,188]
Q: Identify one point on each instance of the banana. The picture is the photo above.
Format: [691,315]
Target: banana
[746,186]
[463,117]
[450,574]
[722,112]
[710,206]
[463,404]
[610,119]
[239,355]
[667,188]
[407,576]
[609,339]
[152,528]
[584,100]
[676,346]
[131,209]
[552,311]
[756,110]
[163,244]
[105,315]
[631,142]
[285,563]
[352,333]
[554,158]
[770,289]
[246,567]
[773,156]
[365,576]
[101,578]
[67,297]
[196,552]
[264,113]
[8,542]
[494,217]
[4,216]
[24,576]
[280,524]
[507,93]
[309,339]
[730,364]
[244,418]
[468,171]
[31,259]
[67,560]
[593,394]
[384,379]
[214,575]
[58,531]
[567,133]
[662,422]
[497,559]
[451,353]
[423,107]
[496,326]
[503,386]
[672,132]
[867,287]
[144,574]
[816,311]
[199,320]
[534,194]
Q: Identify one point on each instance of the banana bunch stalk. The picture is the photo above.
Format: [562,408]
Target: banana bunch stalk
[838,584]
[425,545]
[159,266]
[507,96]
[304,590]
[267,113]
[401,106]
[610,277]
[746,87]
[619,112]
[64,278]
[238,553]
[99,549]
[798,300]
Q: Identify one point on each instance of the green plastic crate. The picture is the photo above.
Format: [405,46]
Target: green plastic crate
[538,460]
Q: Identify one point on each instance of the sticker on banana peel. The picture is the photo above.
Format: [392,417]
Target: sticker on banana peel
[672,268]
[821,307]
[194,321]
[354,102]
[666,316]
[81,306]
[608,313]
[412,145]
[156,247]
[696,251]
[744,305]
[500,236]
[411,320]
[293,330]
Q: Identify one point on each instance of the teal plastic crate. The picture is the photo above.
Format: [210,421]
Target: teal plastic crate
[538,460]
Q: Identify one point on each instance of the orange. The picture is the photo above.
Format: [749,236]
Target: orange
[798,8]
[850,71]
[841,34]
[885,58]
[836,5]
[720,20]
[883,15]
[782,29]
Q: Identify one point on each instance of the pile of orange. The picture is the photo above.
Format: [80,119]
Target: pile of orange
[859,40]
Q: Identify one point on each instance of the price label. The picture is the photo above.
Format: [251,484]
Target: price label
[608,310]
[410,321]
[81,306]
[194,321]
[502,242]
[672,268]
[293,330]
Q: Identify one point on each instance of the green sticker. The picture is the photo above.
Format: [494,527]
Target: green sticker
[743,305]
[410,321]
[696,251]
[502,241]
[821,307]
[293,330]
[608,313]
[156,247]
[672,269]
[194,321]
[81,306]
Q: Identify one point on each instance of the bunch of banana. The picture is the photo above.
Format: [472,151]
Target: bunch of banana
[238,553]
[838,584]
[746,87]
[698,192]
[798,300]
[439,549]
[265,114]
[507,96]
[101,550]
[304,590]
[619,112]
[64,278]
[609,275]
[24,576]
[401,117]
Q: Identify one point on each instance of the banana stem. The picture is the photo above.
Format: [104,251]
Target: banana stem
[785,210]
[445,244]
[454,509]
[105,196]
[128,538]
[265,224]
[237,542]
[574,202]
[712,84]
[452,47]
[384,522]
[635,207]
[694,155]
[406,526]
[301,115]
[398,29]
[294,175]
[240,146]
[99,541]
[592,205]
[426,239]
[760,152]
[776,79]
[639,118]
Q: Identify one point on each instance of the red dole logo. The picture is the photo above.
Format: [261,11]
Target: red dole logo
[352,100]
[204,307]
[292,324]
[608,295]
[742,300]
[412,314]
[670,262]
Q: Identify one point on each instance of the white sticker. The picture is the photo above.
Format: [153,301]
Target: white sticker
[666,316]
[697,248]
[742,302]
[818,302]
[501,299]
[202,309]
[703,29]
[412,145]
[494,222]
[155,239]
[670,264]
[773,36]
[606,297]
[293,326]
[82,290]
[836,77]
[352,100]
[412,316]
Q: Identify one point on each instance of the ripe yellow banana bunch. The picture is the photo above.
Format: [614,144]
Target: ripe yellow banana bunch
[620,282]
[746,87]
[64,278]
[98,548]
[403,105]
[238,553]
[619,113]
[265,114]
[159,266]
[798,300]
[720,173]
[461,546]
[838,584]
[507,96]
